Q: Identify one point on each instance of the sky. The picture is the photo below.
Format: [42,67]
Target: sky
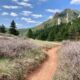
[29,13]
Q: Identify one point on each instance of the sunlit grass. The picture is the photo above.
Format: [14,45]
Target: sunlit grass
[18,57]
[47,44]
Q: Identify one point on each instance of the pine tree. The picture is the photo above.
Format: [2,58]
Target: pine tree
[2,29]
[51,36]
[30,33]
[12,29]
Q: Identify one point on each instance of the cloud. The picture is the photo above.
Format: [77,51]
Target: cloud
[18,24]
[75,2]
[50,17]
[37,15]
[13,14]
[28,20]
[24,3]
[25,0]
[22,0]
[10,14]
[5,14]
[10,7]
[26,13]
[15,0]
[53,10]
[29,13]
[43,0]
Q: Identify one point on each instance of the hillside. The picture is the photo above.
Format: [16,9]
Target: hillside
[63,31]
[65,16]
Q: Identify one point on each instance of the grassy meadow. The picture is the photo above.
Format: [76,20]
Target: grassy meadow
[45,44]
[18,57]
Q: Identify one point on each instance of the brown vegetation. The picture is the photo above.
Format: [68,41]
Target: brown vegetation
[18,57]
[69,61]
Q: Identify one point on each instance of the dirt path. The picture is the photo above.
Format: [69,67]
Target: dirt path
[48,68]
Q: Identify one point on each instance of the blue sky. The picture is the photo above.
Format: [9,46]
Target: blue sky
[29,13]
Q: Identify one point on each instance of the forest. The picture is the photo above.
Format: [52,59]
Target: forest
[64,31]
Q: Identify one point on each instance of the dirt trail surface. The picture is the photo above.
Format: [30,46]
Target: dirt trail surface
[48,68]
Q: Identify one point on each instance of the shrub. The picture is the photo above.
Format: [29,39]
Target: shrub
[18,57]
[69,61]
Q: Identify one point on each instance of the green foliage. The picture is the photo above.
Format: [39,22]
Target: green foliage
[72,14]
[51,36]
[12,29]
[30,33]
[2,29]
[60,32]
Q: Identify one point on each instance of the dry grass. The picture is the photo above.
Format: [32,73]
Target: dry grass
[45,44]
[14,47]
[69,61]
[18,57]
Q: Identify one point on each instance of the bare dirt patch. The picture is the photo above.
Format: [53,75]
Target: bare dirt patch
[48,68]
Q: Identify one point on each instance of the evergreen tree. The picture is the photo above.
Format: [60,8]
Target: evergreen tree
[64,31]
[12,29]
[42,35]
[30,33]
[51,36]
[2,29]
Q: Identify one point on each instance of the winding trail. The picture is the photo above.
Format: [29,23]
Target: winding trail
[48,68]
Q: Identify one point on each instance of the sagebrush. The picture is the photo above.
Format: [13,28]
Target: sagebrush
[18,57]
[69,61]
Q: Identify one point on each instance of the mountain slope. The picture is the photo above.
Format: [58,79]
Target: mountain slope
[64,17]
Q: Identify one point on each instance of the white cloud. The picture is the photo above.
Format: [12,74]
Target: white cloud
[75,2]
[10,14]
[13,14]
[24,3]
[18,24]
[53,10]
[37,15]
[22,0]
[25,0]
[5,14]
[15,0]
[10,7]
[28,20]
[29,13]
[26,13]
[50,17]
[42,0]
